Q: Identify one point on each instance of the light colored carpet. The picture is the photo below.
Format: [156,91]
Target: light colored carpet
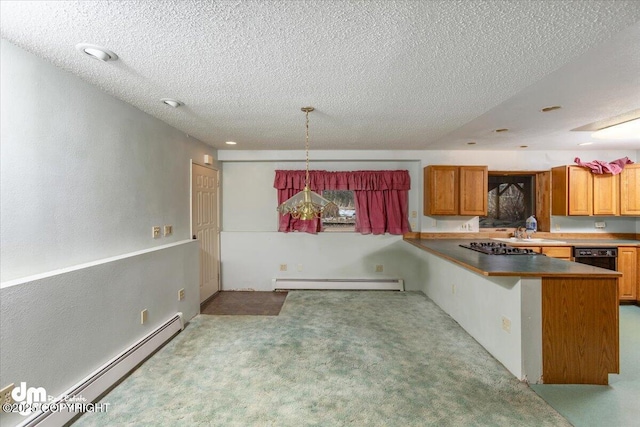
[330,359]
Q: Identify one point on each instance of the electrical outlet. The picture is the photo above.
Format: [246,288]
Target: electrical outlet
[434,223]
[557,227]
[506,324]
[601,224]
[299,267]
[181,294]
[453,289]
[379,268]
[156,231]
[5,396]
[283,267]
[414,214]
[143,316]
[168,229]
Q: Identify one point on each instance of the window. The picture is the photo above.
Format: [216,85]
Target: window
[512,199]
[346,218]
[381,198]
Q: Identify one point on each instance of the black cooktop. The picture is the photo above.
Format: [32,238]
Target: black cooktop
[495,248]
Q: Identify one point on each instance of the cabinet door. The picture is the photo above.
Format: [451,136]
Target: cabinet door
[638,275]
[630,190]
[627,266]
[474,185]
[580,191]
[606,189]
[441,190]
[560,252]
[571,191]
[536,249]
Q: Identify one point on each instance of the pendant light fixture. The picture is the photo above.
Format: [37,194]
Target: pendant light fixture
[307,205]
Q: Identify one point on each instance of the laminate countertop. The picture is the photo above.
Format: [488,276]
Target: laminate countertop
[508,265]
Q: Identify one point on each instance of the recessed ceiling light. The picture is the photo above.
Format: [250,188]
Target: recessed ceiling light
[230,143]
[585,143]
[172,102]
[524,146]
[97,52]
[552,108]
[501,130]
[471,143]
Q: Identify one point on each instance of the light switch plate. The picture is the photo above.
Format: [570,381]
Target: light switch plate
[156,231]
[168,229]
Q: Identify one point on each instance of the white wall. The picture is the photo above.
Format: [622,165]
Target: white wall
[84,175]
[59,328]
[478,304]
[252,249]
[251,259]
[84,178]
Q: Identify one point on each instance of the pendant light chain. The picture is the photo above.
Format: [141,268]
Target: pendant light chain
[307,205]
[306,145]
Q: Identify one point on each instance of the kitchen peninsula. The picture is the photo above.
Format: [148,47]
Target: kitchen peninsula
[546,320]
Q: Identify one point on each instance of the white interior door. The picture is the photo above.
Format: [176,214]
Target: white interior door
[204,210]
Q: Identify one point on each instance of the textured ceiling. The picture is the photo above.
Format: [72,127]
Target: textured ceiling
[381,74]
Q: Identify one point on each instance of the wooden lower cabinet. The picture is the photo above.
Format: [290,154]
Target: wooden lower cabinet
[536,249]
[560,252]
[628,266]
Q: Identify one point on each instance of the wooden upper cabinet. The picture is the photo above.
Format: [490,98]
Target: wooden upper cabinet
[606,192]
[474,185]
[571,191]
[441,185]
[630,190]
[455,190]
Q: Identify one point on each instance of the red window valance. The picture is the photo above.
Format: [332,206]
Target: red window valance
[320,180]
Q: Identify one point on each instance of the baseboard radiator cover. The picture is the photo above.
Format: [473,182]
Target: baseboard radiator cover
[338,284]
[94,385]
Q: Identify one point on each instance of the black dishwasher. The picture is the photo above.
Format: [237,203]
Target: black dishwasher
[598,257]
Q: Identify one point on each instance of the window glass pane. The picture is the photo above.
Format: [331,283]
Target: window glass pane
[346,218]
[511,201]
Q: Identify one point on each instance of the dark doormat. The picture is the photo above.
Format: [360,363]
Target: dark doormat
[245,303]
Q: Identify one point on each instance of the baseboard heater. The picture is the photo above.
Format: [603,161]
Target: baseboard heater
[339,284]
[108,374]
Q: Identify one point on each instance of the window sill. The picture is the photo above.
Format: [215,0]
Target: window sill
[339,230]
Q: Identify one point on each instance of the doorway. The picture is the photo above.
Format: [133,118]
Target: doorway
[205,227]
